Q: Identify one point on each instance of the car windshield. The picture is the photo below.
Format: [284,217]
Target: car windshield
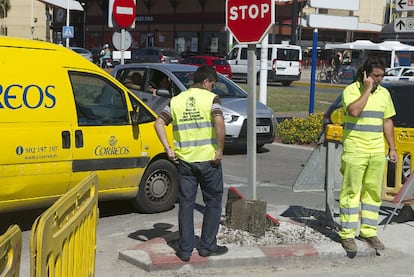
[224,87]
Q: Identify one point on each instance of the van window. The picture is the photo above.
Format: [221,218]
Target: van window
[98,103]
[243,54]
[233,54]
[284,54]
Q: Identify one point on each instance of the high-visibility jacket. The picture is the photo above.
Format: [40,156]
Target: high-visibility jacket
[365,133]
[193,126]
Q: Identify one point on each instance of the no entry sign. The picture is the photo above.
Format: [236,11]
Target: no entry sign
[124,12]
[249,20]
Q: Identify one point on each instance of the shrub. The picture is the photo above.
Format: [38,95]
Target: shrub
[300,130]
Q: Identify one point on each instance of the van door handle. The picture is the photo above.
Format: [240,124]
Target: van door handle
[65,139]
[78,139]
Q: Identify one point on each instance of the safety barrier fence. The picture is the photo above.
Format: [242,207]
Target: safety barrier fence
[63,238]
[397,174]
[10,252]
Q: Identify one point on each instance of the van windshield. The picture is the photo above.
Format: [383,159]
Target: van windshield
[224,87]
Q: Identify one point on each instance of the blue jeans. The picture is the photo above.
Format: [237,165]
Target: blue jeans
[210,178]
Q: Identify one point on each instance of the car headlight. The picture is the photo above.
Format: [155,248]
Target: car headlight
[229,118]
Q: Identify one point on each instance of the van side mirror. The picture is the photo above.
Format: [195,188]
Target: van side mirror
[135,115]
[163,93]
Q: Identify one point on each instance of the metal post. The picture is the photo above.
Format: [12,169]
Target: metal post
[313,70]
[67,21]
[330,181]
[251,118]
[263,70]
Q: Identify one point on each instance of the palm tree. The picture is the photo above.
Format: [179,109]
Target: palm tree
[4,8]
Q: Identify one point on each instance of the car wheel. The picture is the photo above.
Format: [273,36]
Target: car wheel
[406,167]
[158,189]
[286,83]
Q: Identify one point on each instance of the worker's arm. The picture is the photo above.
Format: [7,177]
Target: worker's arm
[389,136]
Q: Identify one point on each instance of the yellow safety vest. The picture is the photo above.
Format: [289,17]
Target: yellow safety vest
[365,133]
[193,127]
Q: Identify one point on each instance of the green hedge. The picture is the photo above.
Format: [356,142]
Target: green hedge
[300,130]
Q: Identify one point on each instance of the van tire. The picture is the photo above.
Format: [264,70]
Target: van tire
[158,189]
[286,83]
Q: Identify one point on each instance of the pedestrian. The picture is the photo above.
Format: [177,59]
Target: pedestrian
[198,133]
[368,111]
[105,55]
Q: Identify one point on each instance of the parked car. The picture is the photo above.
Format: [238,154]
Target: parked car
[234,99]
[83,52]
[399,73]
[402,96]
[221,65]
[157,55]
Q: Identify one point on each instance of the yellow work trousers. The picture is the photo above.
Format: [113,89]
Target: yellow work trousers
[361,190]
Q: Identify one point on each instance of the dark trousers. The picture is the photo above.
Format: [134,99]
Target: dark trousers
[210,178]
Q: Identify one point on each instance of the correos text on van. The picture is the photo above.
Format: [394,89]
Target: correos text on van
[284,62]
[63,117]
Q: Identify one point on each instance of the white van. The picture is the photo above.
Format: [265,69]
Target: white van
[283,62]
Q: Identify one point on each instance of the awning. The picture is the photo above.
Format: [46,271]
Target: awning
[73,5]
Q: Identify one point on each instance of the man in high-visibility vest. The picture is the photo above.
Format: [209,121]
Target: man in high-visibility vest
[368,111]
[198,132]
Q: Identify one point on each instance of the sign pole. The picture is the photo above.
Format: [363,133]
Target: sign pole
[122,45]
[251,121]
[67,22]
[313,71]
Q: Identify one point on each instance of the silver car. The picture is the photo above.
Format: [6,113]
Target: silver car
[83,52]
[142,78]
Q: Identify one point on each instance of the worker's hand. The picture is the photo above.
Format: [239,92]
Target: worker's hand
[171,155]
[368,82]
[393,156]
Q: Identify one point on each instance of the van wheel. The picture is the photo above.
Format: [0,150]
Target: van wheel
[158,189]
[286,83]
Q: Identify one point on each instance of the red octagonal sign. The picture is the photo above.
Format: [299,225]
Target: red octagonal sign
[249,20]
[124,12]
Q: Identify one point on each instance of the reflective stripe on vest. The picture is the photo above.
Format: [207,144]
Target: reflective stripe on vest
[372,121]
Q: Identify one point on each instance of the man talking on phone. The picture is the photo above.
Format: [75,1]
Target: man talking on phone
[368,111]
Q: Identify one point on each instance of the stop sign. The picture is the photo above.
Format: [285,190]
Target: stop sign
[249,20]
[124,12]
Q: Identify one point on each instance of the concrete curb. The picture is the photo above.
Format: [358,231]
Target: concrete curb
[156,254]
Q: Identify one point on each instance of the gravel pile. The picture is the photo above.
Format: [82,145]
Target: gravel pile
[285,233]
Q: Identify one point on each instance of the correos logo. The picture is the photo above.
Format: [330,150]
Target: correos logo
[32,96]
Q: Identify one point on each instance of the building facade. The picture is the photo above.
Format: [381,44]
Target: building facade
[186,25]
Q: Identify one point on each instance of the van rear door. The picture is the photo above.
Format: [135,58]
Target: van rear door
[287,61]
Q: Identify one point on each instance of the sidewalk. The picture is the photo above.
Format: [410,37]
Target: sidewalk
[156,254]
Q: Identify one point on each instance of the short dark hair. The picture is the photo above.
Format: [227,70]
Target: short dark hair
[205,72]
[368,66]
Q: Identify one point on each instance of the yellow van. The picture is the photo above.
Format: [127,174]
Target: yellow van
[62,117]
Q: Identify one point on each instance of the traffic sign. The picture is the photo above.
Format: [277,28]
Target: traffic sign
[124,12]
[249,20]
[68,32]
[404,24]
[327,21]
[349,5]
[404,5]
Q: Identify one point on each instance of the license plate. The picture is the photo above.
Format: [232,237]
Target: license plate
[262,129]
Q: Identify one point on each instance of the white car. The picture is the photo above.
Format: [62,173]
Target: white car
[399,73]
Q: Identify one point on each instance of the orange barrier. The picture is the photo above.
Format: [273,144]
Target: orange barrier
[63,238]
[10,252]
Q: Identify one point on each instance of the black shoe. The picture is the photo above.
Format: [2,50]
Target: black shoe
[220,250]
[183,257]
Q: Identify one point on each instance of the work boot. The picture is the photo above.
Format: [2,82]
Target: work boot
[349,245]
[375,243]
